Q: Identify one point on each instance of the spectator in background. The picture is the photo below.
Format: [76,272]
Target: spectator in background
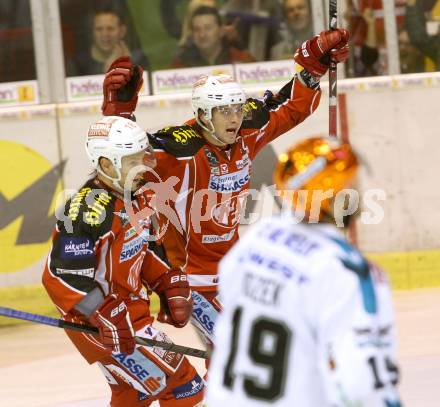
[370,52]
[297,28]
[365,59]
[193,5]
[176,25]
[411,59]
[207,44]
[17,47]
[417,31]
[253,25]
[108,44]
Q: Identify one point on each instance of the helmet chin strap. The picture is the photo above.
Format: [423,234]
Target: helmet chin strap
[114,181]
[211,131]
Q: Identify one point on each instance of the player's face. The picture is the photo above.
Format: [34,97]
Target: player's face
[227,122]
[135,161]
[297,13]
[107,31]
[206,32]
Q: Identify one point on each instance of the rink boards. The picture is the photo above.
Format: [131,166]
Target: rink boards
[391,121]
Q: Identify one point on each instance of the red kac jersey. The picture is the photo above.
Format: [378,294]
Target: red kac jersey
[97,245]
[211,183]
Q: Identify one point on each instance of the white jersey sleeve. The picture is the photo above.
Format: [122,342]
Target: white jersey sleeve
[356,336]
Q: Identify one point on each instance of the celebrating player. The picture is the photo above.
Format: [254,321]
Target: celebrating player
[101,266]
[211,156]
[307,320]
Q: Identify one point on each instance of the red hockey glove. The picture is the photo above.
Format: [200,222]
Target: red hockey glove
[114,324]
[175,298]
[121,87]
[314,55]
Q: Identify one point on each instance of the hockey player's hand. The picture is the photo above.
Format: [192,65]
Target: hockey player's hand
[175,298]
[115,329]
[121,87]
[314,55]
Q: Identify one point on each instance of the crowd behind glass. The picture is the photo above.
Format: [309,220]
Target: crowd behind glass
[164,34]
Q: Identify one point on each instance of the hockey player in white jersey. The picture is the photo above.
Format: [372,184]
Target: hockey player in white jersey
[307,320]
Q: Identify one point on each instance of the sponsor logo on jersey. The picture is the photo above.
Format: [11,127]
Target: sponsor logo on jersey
[204,313]
[153,384]
[224,169]
[228,212]
[249,106]
[275,265]
[76,247]
[96,213]
[132,366]
[182,136]
[218,238]
[145,370]
[132,248]
[215,170]
[83,272]
[76,202]
[189,389]
[243,162]
[232,182]
[172,359]
[142,396]
[129,233]
[212,159]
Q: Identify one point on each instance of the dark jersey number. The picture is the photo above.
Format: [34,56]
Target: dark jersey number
[269,347]
[391,368]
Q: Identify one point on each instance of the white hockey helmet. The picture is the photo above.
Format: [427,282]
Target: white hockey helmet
[114,137]
[215,90]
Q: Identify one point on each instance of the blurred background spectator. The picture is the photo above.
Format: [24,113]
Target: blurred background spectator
[17,59]
[365,59]
[109,31]
[207,44]
[253,25]
[367,28]
[411,58]
[417,27]
[251,30]
[193,5]
[297,27]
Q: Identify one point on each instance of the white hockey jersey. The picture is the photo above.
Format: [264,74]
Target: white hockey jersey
[307,322]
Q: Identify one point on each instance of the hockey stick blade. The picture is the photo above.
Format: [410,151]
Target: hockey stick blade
[59,323]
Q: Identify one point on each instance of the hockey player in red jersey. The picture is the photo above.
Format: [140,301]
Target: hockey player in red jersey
[211,155]
[102,265]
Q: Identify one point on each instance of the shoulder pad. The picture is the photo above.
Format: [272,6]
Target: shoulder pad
[256,114]
[90,209]
[180,141]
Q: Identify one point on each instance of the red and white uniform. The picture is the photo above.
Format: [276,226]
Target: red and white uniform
[97,246]
[212,182]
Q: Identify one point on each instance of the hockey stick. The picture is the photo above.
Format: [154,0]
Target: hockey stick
[332,77]
[59,323]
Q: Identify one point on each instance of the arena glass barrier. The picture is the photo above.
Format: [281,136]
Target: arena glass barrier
[391,121]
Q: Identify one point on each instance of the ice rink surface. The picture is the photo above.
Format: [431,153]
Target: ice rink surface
[39,366]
